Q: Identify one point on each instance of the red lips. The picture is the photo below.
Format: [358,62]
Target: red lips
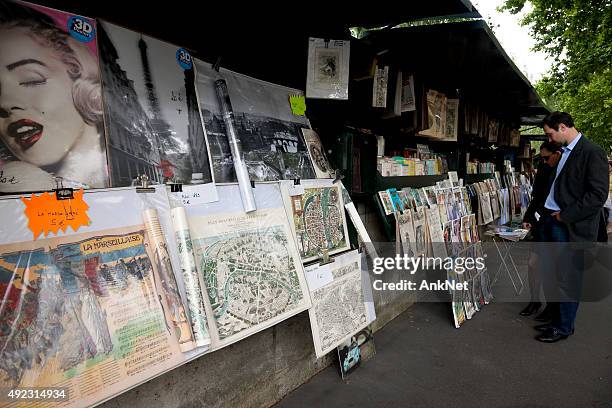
[26,132]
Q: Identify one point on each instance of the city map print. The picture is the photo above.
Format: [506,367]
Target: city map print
[338,308]
[319,222]
[339,311]
[251,277]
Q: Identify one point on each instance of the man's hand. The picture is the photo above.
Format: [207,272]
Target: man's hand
[557,215]
[526,225]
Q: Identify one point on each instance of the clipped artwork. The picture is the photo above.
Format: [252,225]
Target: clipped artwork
[379,91]
[54,127]
[270,134]
[249,265]
[152,113]
[317,154]
[328,69]
[317,218]
[95,300]
[341,306]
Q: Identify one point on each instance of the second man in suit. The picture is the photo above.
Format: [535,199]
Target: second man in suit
[572,213]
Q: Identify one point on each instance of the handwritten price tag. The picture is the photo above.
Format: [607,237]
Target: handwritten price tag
[298,104]
[46,214]
[191,195]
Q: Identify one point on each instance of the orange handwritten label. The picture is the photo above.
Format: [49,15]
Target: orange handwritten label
[47,214]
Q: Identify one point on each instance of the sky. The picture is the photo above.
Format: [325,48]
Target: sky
[515,39]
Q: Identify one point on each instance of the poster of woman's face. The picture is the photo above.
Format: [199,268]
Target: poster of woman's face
[51,122]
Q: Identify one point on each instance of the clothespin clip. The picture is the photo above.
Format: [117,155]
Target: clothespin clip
[144,185]
[62,193]
[325,259]
[338,176]
[217,64]
[176,188]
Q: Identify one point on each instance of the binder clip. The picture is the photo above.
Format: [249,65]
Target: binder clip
[252,183]
[144,185]
[176,188]
[338,176]
[325,259]
[62,193]
[326,40]
[217,64]
[296,181]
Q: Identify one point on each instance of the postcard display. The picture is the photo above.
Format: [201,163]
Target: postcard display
[440,221]
[159,278]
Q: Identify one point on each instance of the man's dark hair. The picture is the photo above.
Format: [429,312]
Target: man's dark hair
[556,118]
[551,147]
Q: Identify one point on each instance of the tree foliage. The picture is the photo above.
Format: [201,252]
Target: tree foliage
[577,34]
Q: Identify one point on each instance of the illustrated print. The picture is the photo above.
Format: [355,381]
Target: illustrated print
[327,63]
[319,223]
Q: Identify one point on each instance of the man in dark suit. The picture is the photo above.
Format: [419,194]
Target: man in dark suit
[572,212]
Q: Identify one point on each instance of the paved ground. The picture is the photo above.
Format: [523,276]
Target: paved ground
[492,361]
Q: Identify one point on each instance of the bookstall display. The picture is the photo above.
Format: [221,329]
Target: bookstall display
[156,207]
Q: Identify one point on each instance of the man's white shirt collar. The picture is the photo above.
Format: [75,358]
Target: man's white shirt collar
[574,142]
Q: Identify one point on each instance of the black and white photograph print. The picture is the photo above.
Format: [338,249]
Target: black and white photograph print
[152,115]
[270,134]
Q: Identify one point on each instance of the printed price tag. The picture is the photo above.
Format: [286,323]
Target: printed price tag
[191,195]
[48,214]
[296,190]
[298,104]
